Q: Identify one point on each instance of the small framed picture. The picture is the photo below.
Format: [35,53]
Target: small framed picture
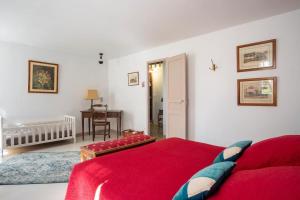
[257,91]
[133,78]
[43,77]
[256,56]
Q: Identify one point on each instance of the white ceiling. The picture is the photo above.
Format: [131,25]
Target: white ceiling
[121,27]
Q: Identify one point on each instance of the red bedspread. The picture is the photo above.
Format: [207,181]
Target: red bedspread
[150,172]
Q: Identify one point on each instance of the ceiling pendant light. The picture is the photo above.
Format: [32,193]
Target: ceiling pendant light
[101,58]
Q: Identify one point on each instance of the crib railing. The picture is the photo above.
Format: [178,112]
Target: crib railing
[38,133]
[72,124]
[1,135]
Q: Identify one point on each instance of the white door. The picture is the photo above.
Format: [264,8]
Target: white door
[177,97]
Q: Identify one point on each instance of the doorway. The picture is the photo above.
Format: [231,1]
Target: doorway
[167,97]
[156,99]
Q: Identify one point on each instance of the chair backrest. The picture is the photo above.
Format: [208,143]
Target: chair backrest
[99,112]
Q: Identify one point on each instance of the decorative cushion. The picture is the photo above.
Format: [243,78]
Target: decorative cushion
[270,183]
[204,182]
[233,152]
[278,151]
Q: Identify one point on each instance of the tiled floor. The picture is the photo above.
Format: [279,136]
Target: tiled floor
[54,191]
[156,131]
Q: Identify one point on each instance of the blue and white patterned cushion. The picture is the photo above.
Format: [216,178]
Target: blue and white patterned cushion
[204,182]
[233,152]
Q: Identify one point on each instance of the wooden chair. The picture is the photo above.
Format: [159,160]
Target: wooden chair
[99,118]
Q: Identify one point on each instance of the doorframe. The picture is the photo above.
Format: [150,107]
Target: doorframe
[163,60]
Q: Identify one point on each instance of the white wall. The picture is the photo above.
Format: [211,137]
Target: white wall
[76,75]
[214,116]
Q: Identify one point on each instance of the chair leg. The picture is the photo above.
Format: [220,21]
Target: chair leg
[108,130]
[104,132]
[89,121]
[94,132]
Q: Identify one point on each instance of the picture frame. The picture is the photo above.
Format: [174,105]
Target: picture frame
[257,91]
[133,78]
[42,77]
[256,56]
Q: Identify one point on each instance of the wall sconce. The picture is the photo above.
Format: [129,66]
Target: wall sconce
[213,66]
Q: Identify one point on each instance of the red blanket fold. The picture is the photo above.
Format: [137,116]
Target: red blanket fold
[153,171]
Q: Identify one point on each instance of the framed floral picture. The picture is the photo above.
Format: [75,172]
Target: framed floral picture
[257,91]
[256,56]
[43,77]
[133,78]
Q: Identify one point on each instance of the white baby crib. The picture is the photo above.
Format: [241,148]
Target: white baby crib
[37,133]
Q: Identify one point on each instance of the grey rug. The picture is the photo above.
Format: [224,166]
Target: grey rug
[38,168]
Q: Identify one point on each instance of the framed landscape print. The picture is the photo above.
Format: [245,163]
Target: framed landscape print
[133,78]
[43,77]
[256,56]
[257,91]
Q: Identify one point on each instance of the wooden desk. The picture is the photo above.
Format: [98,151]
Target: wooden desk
[117,114]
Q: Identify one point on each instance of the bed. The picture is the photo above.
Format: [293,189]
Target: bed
[156,171]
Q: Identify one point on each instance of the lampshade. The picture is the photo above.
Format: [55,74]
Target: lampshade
[92,95]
